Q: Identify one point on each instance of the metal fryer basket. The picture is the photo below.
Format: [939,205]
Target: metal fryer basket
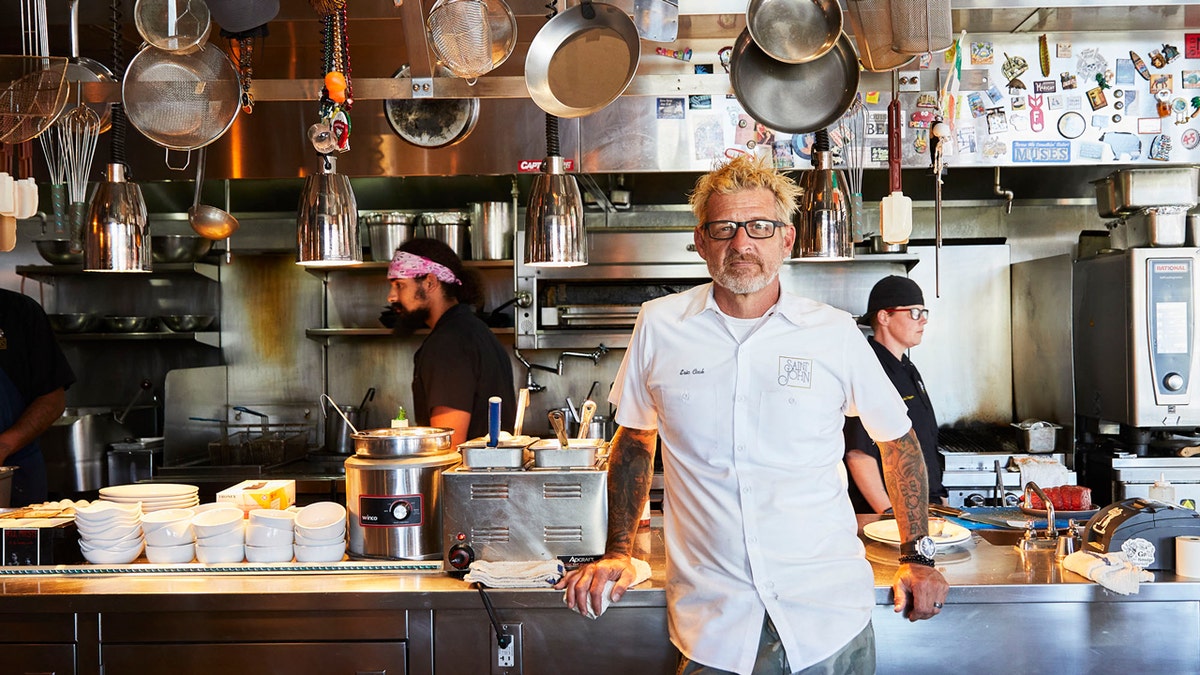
[261,444]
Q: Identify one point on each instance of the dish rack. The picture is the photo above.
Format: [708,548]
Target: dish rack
[261,444]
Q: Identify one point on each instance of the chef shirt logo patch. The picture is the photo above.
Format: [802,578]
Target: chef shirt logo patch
[795,372]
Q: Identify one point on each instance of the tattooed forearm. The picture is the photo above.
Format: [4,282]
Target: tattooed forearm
[630,467]
[907,484]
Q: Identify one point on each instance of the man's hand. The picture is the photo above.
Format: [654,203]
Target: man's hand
[585,585]
[919,591]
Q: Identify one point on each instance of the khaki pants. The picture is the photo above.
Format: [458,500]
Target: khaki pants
[856,658]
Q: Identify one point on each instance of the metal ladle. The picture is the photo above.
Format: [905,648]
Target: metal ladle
[209,221]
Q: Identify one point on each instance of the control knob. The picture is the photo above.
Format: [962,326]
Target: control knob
[400,509]
[1173,382]
[460,556]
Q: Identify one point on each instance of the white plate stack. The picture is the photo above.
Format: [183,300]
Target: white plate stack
[320,532]
[153,496]
[110,534]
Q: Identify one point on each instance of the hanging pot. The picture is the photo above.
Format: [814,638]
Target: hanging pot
[794,98]
[181,101]
[582,59]
[431,123]
[794,31]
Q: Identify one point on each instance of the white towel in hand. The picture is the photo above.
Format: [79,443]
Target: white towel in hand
[515,574]
[1110,570]
[641,572]
[1045,471]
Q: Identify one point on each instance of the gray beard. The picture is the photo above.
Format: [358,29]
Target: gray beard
[742,283]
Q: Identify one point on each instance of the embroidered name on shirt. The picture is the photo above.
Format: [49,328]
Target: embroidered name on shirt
[693,371]
[795,372]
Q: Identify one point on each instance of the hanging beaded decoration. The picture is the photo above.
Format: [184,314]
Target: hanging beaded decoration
[337,95]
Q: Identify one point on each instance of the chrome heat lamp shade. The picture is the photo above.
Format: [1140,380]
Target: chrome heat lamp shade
[327,220]
[823,219]
[554,234]
[117,238]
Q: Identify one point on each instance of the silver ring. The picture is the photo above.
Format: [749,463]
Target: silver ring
[938,605]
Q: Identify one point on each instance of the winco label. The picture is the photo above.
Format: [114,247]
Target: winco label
[535,165]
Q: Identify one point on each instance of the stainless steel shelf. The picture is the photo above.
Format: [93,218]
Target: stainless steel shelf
[210,338]
[48,273]
[326,334]
[375,266]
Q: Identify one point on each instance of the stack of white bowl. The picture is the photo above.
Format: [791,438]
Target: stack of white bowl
[153,496]
[269,536]
[320,532]
[169,536]
[110,534]
[220,536]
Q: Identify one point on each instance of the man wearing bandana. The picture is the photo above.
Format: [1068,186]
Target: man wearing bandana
[461,363]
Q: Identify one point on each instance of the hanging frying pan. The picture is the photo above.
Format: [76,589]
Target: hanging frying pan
[431,123]
[582,59]
[794,31]
[794,98]
[83,69]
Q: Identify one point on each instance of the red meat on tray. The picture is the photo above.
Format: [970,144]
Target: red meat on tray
[1064,498]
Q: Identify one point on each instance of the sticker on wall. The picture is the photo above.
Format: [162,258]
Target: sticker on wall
[1090,150]
[925,61]
[921,119]
[670,109]
[926,100]
[1139,65]
[1016,86]
[1160,148]
[783,154]
[1096,98]
[876,124]
[921,141]
[708,138]
[1017,103]
[994,93]
[1044,55]
[879,155]
[997,121]
[1122,143]
[1041,152]
[966,140]
[1130,98]
[975,104]
[1062,50]
[1179,108]
[1018,122]
[1190,138]
[1068,80]
[1124,71]
[1149,125]
[1054,102]
[1045,86]
[1014,67]
[1100,121]
[1190,79]
[981,53]
[1037,119]
[1089,63]
[1072,101]
[1071,125]
[1161,82]
[802,145]
[1168,55]
[699,102]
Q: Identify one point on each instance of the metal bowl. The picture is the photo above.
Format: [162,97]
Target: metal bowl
[187,323]
[126,324]
[178,248]
[72,323]
[58,252]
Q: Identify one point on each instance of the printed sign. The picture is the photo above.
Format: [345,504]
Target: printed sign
[1041,152]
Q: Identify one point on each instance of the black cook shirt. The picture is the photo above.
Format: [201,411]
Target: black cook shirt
[907,380]
[31,358]
[460,365]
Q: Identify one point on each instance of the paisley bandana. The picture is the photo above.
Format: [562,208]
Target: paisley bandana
[406,265]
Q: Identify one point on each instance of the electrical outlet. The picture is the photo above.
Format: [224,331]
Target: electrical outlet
[507,660]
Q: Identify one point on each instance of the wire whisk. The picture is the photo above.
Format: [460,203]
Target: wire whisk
[80,131]
[852,128]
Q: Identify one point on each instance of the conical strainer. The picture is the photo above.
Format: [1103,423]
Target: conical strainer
[461,37]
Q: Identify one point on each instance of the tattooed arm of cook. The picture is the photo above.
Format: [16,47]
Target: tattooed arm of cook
[907,484]
[630,467]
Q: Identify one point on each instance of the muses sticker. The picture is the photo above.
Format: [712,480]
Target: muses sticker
[795,372]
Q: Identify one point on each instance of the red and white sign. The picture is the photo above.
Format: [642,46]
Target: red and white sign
[535,165]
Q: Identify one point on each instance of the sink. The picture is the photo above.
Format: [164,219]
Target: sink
[1014,537]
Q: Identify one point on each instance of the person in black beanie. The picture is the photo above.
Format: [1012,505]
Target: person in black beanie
[897,314]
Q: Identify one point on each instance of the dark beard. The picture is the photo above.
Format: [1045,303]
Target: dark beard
[407,322]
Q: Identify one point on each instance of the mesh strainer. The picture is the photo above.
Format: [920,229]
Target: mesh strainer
[871,21]
[921,26]
[181,101]
[33,92]
[461,37]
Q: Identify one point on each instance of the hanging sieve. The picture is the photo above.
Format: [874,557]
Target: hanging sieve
[921,26]
[871,21]
[173,25]
[460,35]
[181,101]
[33,91]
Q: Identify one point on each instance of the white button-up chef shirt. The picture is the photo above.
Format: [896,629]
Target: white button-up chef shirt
[756,516]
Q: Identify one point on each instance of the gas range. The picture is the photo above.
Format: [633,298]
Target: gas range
[978,467]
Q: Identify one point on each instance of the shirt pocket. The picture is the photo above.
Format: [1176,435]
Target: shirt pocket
[807,428]
[691,413]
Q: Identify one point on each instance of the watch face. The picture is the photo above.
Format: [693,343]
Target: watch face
[926,547]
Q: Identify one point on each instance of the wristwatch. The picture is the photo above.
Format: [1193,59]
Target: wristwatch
[920,551]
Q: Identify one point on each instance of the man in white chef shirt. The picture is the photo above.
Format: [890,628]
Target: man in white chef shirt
[748,387]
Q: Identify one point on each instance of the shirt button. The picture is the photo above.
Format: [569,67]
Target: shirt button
[740,398]
[754,540]
[746,490]
[792,401]
[686,396]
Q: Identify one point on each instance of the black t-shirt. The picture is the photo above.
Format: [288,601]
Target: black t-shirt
[460,365]
[31,358]
[907,380]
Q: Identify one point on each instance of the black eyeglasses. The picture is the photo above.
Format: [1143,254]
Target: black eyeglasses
[759,228]
[917,313]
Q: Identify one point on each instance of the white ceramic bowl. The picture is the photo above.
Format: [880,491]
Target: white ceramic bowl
[282,520]
[177,533]
[236,536]
[304,540]
[329,553]
[104,556]
[269,554]
[217,521]
[156,519]
[124,538]
[112,544]
[107,530]
[212,506]
[330,531]
[99,511]
[265,535]
[220,554]
[170,554]
[321,515]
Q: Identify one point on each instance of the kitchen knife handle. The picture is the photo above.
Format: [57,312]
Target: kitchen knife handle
[493,422]
[558,423]
[587,411]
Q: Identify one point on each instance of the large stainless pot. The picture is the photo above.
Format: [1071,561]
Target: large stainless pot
[393,488]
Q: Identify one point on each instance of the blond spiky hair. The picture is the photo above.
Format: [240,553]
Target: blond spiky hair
[745,172]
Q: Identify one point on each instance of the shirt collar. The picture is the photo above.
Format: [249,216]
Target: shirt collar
[791,307]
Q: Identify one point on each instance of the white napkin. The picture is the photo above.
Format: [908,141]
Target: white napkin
[1045,471]
[641,572]
[515,574]
[1110,570]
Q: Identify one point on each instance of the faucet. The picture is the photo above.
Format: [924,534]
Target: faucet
[593,356]
[1047,539]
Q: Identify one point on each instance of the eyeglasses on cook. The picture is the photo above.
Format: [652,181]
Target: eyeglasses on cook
[917,313]
[758,228]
